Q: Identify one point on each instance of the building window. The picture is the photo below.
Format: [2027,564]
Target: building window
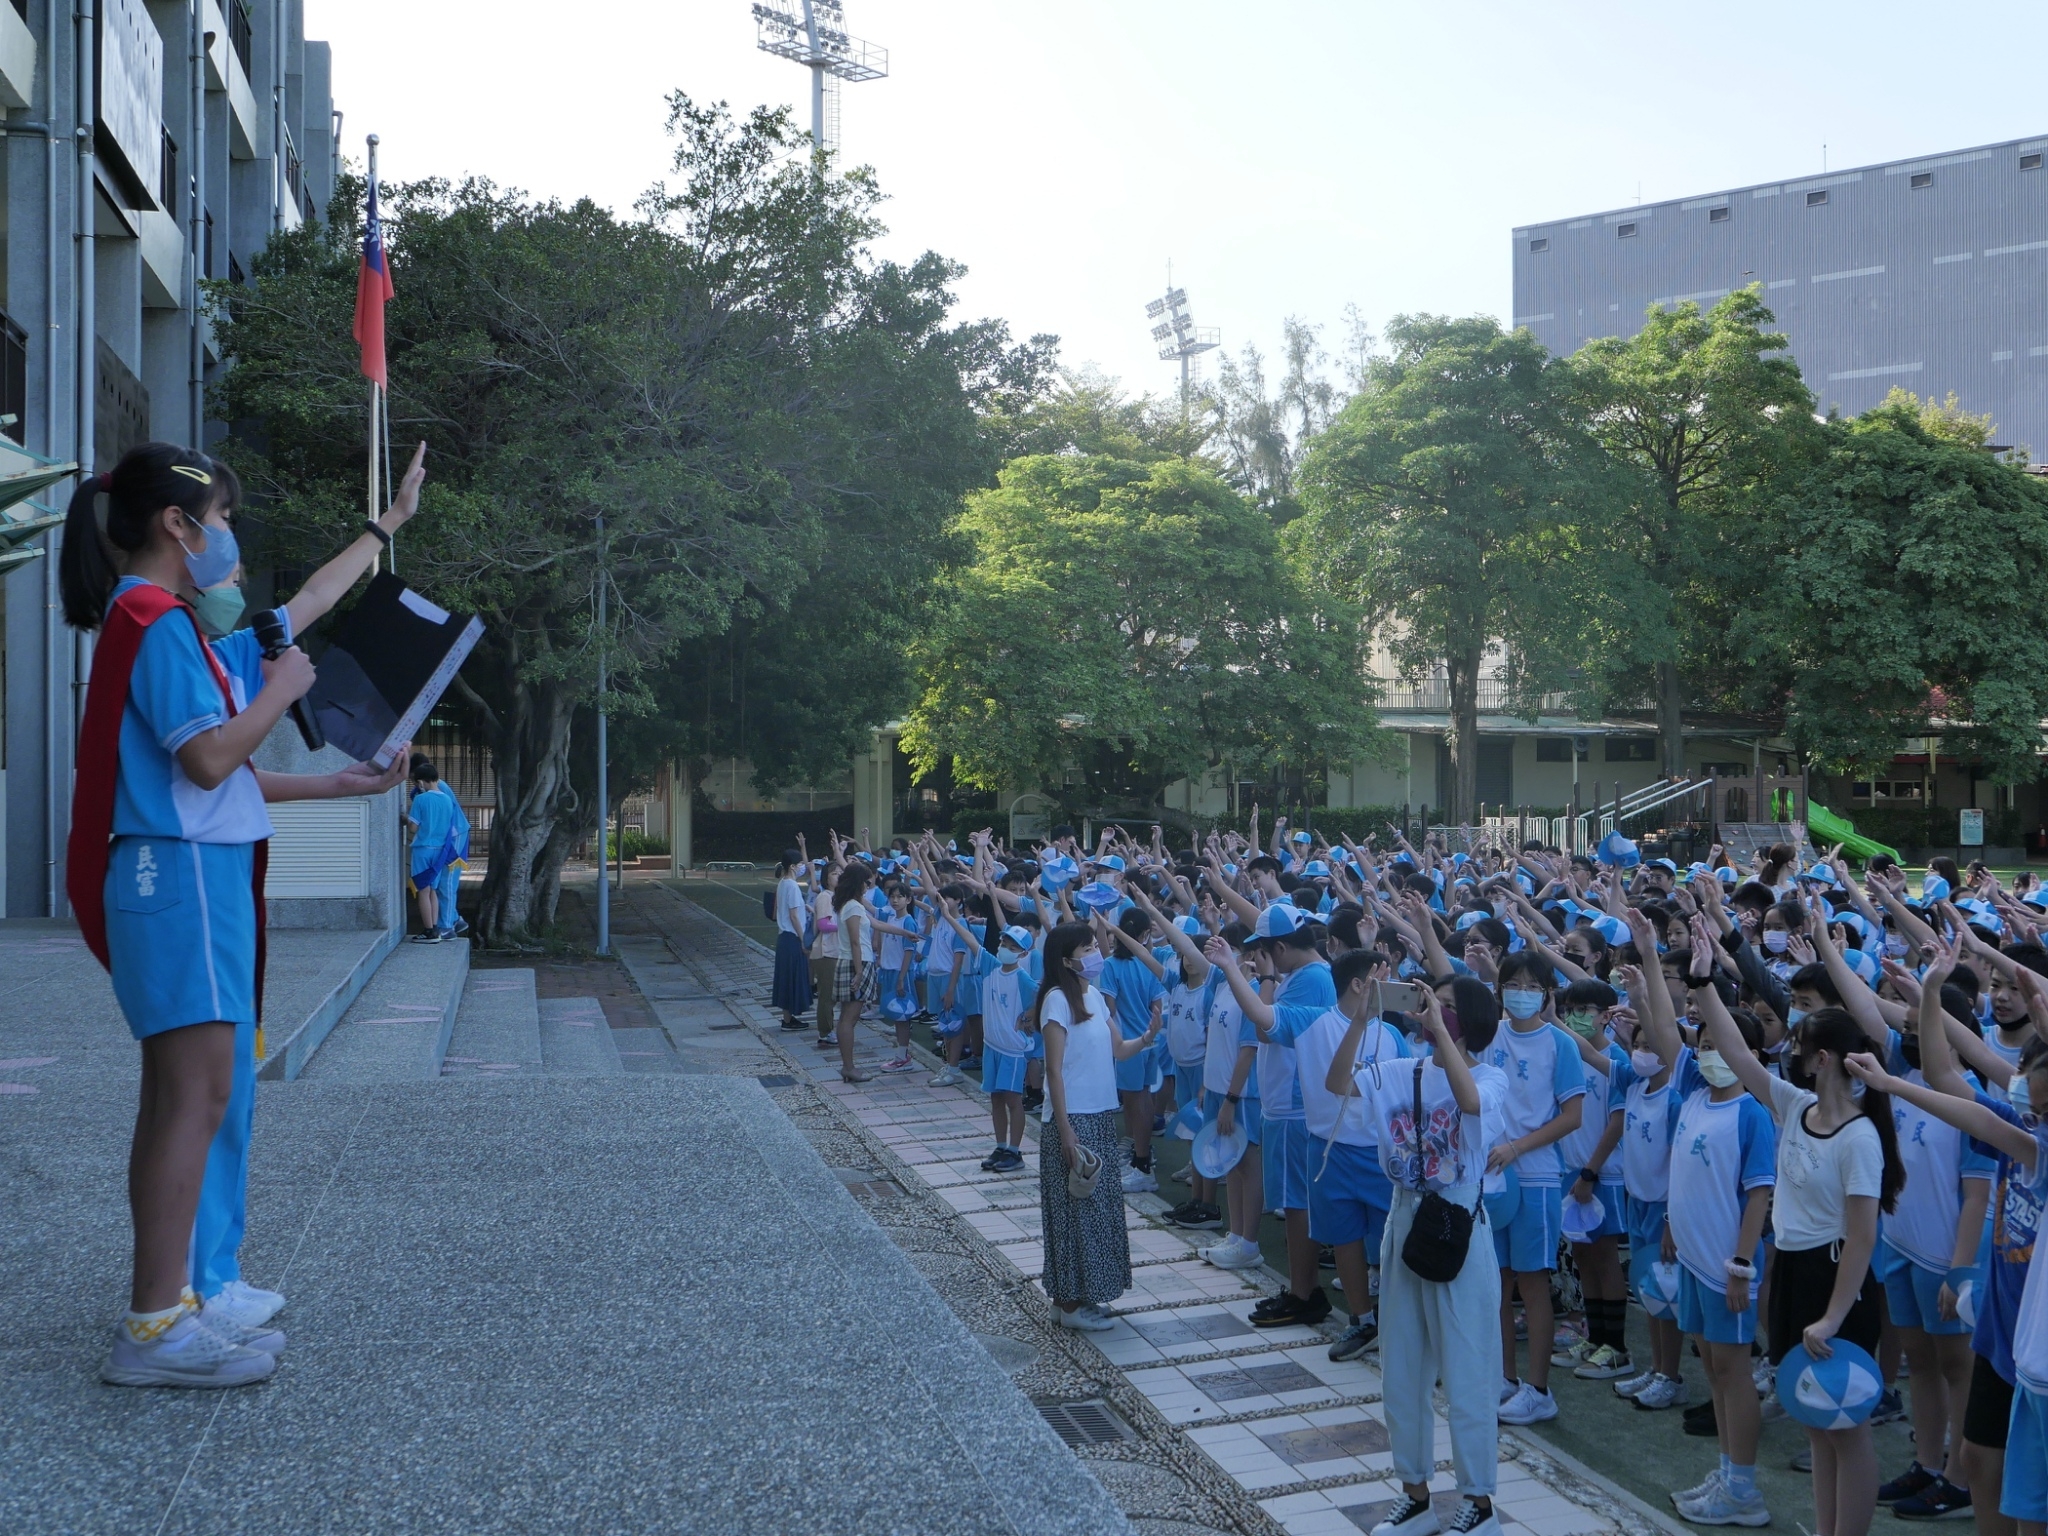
[13,381]
[234,269]
[1624,231]
[1631,749]
[1558,749]
[167,175]
[239,35]
[1539,245]
[2030,162]
[208,260]
[1815,199]
[1717,215]
[1887,791]
[1921,179]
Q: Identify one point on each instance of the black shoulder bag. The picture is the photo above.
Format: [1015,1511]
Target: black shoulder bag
[1441,1232]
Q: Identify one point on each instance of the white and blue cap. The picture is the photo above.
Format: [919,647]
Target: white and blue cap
[1283,917]
[1820,874]
[1191,926]
[1097,895]
[1020,937]
[1694,870]
[1662,864]
[1303,837]
[1610,928]
[1110,861]
[1618,850]
[1863,964]
[1056,872]
[1727,874]
[2037,897]
[1315,869]
[1934,888]
[1470,918]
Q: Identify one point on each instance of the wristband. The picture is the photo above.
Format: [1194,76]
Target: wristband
[1590,1175]
[383,537]
[1742,1268]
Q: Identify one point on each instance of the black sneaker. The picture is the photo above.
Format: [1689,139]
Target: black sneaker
[1357,1339]
[1699,1420]
[1009,1160]
[1034,1098]
[990,1163]
[793,1025]
[1326,1257]
[1196,1216]
[1911,1483]
[1308,1312]
[1282,1306]
[1943,1501]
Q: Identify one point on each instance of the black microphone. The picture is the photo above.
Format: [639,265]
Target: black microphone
[270,635]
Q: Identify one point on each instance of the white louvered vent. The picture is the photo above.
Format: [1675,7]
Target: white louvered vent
[321,849]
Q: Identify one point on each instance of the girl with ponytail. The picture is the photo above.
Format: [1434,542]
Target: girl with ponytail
[165,865]
[1838,1166]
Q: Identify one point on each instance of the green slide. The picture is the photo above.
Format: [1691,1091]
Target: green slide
[1824,826]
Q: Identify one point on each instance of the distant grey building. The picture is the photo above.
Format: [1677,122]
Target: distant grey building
[147,144]
[1931,274]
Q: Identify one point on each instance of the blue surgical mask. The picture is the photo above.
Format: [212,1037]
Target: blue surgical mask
[216,563]
[2021,1095]
[1522,1002]
[1793,1016]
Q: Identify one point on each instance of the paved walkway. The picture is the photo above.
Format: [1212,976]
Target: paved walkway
[1301,1439]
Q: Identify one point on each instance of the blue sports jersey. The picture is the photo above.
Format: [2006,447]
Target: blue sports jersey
[1719,1153]
[1129,983]
[435,813]
[1544,1074]
[173,697]
[2015,1219]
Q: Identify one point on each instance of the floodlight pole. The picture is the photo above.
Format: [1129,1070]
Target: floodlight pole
[817,62]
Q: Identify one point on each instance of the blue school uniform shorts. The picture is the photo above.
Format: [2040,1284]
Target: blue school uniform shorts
[1348,1196]
[2025,1493]
[1528,1244]
[1703,1311]
[945,1021]
[181,932]
[1614,1205]
[1285,1165]
[1914,1296]
[1248,1114]
[1001,1073]
[1645,1233]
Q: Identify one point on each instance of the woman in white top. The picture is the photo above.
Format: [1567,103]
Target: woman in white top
[824,947]
[853,979]
[792,993]
[1087,1251]
[1431,1329]
[1838,1165]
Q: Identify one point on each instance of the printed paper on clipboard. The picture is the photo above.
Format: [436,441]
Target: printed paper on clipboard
[388,662]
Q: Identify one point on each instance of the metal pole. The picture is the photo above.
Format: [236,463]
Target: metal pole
[604,803]
[377,560]
[817,79]
[195,153]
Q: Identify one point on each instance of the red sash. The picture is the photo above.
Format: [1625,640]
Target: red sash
[99,751]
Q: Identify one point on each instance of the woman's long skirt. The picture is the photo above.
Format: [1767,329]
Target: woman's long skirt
[1087,1250]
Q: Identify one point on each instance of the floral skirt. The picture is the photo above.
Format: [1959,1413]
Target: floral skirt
[1087,1250]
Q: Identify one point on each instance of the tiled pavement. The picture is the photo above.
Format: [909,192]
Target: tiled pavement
[1304,1435]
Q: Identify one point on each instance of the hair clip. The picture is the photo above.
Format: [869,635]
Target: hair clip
[192,474]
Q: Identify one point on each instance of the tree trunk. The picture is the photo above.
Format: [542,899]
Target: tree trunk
[1462,673]
[532,762]
[1670,718]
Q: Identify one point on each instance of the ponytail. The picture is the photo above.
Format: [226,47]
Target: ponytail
[1836,1031]
[148,479]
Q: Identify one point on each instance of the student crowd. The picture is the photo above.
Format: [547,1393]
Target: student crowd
[1788,1111]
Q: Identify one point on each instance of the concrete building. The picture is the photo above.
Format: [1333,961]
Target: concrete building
[1929,273]
[149,144]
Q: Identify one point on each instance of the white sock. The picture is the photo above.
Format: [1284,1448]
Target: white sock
[148,1327]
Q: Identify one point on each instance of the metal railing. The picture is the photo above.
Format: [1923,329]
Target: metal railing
[167,174]
[1434,693]
[240,36]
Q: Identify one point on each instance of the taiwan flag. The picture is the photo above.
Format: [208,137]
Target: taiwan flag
[373,288]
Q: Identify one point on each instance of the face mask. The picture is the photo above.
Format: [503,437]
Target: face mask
[1522,1002]
[1716,1071]
[1896,948]
[1776,940]
[1646,1063]
[1010,959]
[219,610]
[1581,1023]
[216,563]
[2021,1094]
[1793,1016]
[1909,1047]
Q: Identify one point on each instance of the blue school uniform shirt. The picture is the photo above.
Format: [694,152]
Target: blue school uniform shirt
[435,814]
[1938,1158]
[1311,988]
[1719,1153]
[1544,1074]
[172,697]
[2015,1220]
[1128,982]
[1648,1121]
[1005,997]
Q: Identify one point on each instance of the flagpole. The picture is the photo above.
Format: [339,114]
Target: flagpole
[390,481]
[378,562]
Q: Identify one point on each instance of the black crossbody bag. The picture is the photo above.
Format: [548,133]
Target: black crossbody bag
[1441,1233]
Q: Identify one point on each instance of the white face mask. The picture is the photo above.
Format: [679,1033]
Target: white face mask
[1776,940]
[1646,1063]
[2021,1093]
[1716,1071]
[1522,1002]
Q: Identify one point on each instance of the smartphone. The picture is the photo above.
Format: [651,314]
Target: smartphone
[1399,997]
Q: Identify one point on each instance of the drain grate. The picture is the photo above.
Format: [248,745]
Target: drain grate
[776,1080]
[1090,1421]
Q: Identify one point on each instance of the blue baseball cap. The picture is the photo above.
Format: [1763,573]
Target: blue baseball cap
[1315,869]
[1110,861]
[1283,917]
[1096,894]
[1021,937]
[1191,926]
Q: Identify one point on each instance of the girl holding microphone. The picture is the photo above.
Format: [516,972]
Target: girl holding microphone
[165,866]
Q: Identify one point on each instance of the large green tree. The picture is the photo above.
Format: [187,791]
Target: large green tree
[1912,566]
[678,408]
[1710,412]
[1461,502]
[1131,624]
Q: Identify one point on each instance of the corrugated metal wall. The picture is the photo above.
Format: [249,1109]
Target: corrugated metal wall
[1931,274]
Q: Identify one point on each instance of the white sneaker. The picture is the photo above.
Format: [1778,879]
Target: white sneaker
[1629,1386]
[1409,1517]
[1233,1252]
[183,1355]
[1662,1392]
[1186,1175]
[1528,1406]
[1468,1521]
[247,1304]
[946,1077]
[1085,1320]
[268,1341]
[1720,1507]
[1508,1388]
[1698,1490]
[1139,1181]
[1765,1375]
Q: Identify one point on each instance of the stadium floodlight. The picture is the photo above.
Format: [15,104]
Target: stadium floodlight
[813,33]
[1178,337]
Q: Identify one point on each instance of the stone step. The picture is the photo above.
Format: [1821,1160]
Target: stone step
[497,1027]
[397,1029]
[576,1040]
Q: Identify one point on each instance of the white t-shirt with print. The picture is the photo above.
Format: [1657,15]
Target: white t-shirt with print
[1453,1146]
[1817,1173]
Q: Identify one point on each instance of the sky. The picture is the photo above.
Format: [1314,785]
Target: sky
[1287,158]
